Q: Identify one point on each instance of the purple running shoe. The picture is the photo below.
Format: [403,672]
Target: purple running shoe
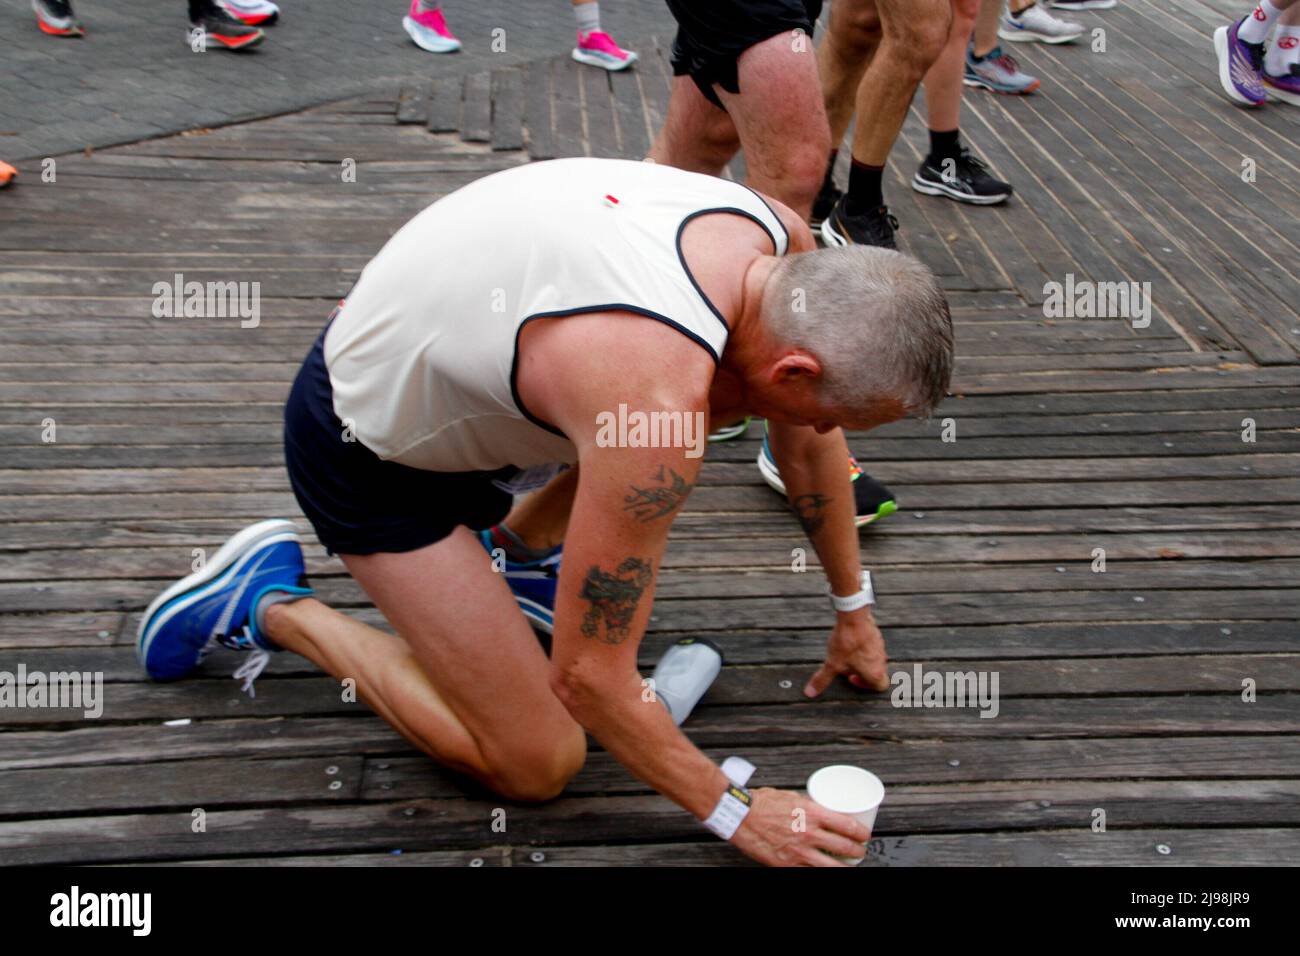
[1240,66]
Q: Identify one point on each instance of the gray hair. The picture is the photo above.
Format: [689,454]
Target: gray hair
[876,320]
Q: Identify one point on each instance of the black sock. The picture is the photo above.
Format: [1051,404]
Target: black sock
[1017,13]
[943,145]
[866,188]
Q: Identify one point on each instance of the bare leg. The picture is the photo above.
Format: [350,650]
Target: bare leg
[943,83]
[913,35]
[781,121]
[467,681]
[852,35]
[696,135]
[986,27]
[777,116]
[541,520]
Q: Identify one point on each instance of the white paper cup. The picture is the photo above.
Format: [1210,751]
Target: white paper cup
[849,790]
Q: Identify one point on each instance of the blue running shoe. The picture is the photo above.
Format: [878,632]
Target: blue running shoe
[533,583]
[214,606]
[872,499]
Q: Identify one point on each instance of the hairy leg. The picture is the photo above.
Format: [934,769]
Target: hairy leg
[781,120]
[913,34]
[696,135]
[852,35]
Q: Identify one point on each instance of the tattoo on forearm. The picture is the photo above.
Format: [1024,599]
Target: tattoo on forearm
[647,504]
[614,599]
[811,511]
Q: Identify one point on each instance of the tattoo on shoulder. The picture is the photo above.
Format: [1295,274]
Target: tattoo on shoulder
[649,503]
[811,511]
[613,599]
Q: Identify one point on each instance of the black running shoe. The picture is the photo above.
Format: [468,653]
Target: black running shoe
[873,228]
[965,179]
[223,31]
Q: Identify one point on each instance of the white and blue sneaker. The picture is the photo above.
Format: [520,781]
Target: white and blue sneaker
[533,583]
[215,605]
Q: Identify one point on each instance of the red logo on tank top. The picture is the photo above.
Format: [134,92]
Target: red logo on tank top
[1289,43]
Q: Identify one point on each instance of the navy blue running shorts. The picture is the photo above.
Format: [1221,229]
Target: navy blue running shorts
[358,502]
[711,35]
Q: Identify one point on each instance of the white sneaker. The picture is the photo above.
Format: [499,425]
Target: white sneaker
[1036,25]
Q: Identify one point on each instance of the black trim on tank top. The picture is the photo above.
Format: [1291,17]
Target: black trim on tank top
[735,211]
[759,197]
[581,310]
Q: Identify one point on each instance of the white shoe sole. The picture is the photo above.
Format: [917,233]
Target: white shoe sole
[211,570]
[942,189]
[1088,5]
[829,236]
[1029,37]
[1281,95]
[420,37]
[770,474]
[591,59]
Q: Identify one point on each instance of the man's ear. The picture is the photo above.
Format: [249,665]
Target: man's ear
[795,365]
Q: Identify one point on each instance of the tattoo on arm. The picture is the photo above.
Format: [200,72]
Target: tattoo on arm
[647,504]
[811,511]
[613,599]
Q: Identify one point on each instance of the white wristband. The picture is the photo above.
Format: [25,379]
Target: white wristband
[854,601]
[730,812]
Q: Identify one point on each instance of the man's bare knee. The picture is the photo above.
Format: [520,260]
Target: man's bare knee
[916,40]
[855,26]
[539,772]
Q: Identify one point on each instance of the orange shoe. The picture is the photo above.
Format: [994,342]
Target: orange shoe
[7,174]
[56,18]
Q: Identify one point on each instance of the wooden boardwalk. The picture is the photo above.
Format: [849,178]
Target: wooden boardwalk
[1120,691]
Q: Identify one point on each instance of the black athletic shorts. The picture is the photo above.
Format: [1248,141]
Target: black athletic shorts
[358,502]
[711,35]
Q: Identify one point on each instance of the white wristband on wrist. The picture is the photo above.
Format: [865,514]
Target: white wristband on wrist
[731,810]
[854,601]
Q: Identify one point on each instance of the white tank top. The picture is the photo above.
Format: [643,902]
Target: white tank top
[421,356]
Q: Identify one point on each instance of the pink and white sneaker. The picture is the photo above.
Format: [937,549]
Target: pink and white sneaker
[598,48]
[428,28]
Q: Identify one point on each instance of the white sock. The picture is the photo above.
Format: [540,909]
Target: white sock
[1255,27]
[1283,51]
[588,16]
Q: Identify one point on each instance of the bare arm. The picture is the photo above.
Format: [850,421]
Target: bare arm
[820,491]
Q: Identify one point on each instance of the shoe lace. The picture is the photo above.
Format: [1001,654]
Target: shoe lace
[1007,62]
[969,161]
[887,217]
[251,669]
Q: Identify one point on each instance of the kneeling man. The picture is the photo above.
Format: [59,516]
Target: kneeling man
[489,345]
